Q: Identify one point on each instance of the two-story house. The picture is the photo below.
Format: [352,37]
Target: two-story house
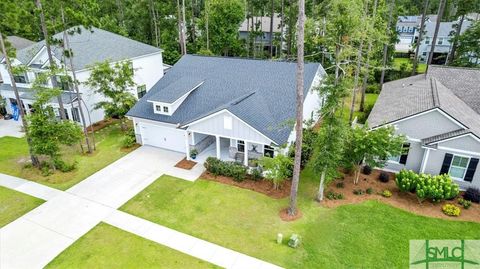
[88,47]
[261,26]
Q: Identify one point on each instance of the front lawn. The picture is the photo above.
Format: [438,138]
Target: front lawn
[370,99]
[106,246]
[14,155]
[14,204]
[367,235]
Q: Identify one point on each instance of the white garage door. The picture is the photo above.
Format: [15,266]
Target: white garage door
[163,137]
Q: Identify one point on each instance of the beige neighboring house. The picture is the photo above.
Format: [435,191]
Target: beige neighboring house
[18,43]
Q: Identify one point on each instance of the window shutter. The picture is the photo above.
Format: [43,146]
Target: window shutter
[404,156]
[446,163]
[472,166]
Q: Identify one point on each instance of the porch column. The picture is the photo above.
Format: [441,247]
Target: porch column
[245,160]
[217,139]
[425,161]
[187,146]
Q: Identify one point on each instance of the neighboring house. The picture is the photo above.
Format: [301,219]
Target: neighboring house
[18,43]
[440,115]
[407,28]
[88,47]
[443,46]
[262,26]
[229,108]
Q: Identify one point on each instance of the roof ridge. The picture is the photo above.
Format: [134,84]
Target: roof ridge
[435,97]
[454,67]
[241,98]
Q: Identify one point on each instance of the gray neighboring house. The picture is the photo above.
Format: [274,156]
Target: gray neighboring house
[262,25]
[440,115]
[18,43]
[228,108]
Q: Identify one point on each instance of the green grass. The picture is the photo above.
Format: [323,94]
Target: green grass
[14,204]
[14,154]
[367,235]
[397,62]
[106,246]
[370,99]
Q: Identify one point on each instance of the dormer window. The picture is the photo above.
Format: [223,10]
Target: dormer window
[158,108]
[165,109]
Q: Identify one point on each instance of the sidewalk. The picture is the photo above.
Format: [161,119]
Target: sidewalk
[37,237]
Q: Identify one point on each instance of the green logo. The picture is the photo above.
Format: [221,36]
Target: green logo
[433,254]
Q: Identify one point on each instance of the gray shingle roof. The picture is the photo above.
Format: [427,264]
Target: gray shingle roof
[440,137]
[178,87]
[261,93]
[409,96]
[91,46]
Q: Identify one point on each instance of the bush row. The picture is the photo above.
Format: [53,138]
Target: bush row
[435,188]
[229,169]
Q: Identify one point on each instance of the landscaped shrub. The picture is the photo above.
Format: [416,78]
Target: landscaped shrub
[451,210]
[229,169]
[63,166]
[358,192]
[384,177]
[129,140]
[340,185]
[256,174]
[276,169]
[334,196]
[407,180]
[387,194]
[472,194]
[465,203]
[436,188]
[369,191]
[367,170]
[308,144]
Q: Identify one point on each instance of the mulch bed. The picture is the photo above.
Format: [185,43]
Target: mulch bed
[286,217]
[100,125]
[261,186]
[185,164]
[406,201]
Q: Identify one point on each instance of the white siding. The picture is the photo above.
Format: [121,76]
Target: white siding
[213,125]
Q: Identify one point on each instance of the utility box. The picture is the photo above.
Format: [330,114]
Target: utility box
[279,238]
[294,241]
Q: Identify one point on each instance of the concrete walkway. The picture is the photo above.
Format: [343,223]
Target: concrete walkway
[11,128]
[37,237]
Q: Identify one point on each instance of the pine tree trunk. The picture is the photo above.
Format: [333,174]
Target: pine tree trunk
[53,78]
[292,211]
[33,158]
[455,40]
[75,84]
[441,8]
[367,62]
[385,46]
[321,188]
[420,37]
[271,28]
[282,26]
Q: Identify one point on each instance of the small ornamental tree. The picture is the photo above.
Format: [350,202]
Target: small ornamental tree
[276,169]
[46,131]
[114,83]
[372,147]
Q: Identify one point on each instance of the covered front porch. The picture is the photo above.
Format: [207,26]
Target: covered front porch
[226,149]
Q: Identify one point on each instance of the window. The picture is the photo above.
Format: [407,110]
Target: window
[402,158]
[268,151]
[165,109]
[440,41]
[227,122]
[141,91]
[65,83]
[75,114]
[241,146]
[158,108]
[427,40]
[23,78]
[459,166]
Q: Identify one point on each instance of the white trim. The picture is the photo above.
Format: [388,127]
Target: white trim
[187,146]
[37,54]
[458,123]
[225,136]
[129,59]
[459,151]
[226,110]
[423,166]
[466,167]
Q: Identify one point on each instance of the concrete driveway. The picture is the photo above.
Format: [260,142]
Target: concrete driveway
[36,238]
[11,128]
